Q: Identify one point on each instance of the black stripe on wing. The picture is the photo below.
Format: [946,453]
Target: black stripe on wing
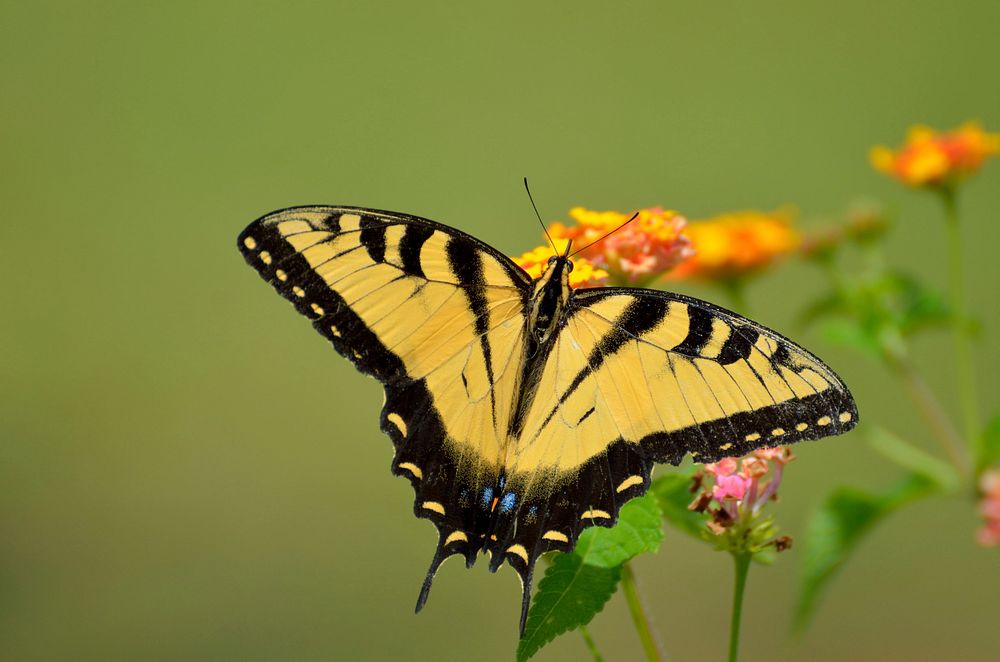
[828,412]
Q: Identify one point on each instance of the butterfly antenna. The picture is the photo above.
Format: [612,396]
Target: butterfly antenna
[539,216]
[634,216]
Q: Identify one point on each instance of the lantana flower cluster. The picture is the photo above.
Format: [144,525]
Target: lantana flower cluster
[585,273]
[989,508]
[733,245]
[929,158]
[634,254]
[734,492]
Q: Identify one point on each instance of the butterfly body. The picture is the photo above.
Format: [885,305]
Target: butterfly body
[523,411]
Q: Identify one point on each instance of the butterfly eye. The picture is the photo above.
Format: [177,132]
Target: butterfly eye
[552,260]
[569,266]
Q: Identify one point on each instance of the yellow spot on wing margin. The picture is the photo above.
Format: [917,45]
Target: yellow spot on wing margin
[250,243]
[518,550]
[265,257]
[433,505]
[282,276]
[412,468]
[844,416]
[753,436]
[629,482]
[777,432]
[456,536]
[725,447]
[398,421]
[825,420]
[592,514]
[557,536]
[801,426]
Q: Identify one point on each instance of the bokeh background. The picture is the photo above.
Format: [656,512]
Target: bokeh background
[187,471]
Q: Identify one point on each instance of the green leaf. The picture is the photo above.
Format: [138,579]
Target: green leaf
[835,530]
[673,493]
[989,446]
[577,585]
[848,333]
[639,530]
[913,459]
[570,595]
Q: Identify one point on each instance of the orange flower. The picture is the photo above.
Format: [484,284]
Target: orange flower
[584,273]
[636,254]
[738,243]
[929,158]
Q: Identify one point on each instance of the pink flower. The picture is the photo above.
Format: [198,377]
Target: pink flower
[989,508]
[730,487]
[740,488]
[724,467]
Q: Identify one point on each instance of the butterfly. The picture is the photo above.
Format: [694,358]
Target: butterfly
[523,411]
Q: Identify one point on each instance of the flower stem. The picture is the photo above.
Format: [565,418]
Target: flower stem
[963,353]
[742,567]
[932,411]
[591,646]
[639,616]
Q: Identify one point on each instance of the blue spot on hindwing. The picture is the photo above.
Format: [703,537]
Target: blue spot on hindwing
[487,498]
[507,502]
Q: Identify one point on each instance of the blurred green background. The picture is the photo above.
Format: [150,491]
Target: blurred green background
[187,471]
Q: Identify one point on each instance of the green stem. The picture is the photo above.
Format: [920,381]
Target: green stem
[742,566]
[639,616]
[591,646]
[963,352]
[932,411]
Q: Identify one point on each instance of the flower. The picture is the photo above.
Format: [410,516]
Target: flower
[724,467]
[929,158]
[989,508]
[739,488]
[730,487]
[584,273]
[735,244]
[635,254]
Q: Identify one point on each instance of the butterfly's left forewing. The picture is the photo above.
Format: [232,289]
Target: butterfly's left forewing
[432,313]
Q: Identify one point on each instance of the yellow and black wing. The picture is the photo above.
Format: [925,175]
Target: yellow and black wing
[436,316]
[640,376]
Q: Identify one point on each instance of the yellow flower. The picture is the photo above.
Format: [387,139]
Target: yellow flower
[737,243]
[635,254]
[584,273]
[929,158]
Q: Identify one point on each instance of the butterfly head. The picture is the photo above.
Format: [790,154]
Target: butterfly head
[550,294]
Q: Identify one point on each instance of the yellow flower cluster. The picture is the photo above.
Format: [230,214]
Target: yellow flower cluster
[584,273]
[930,158]
[731,245]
